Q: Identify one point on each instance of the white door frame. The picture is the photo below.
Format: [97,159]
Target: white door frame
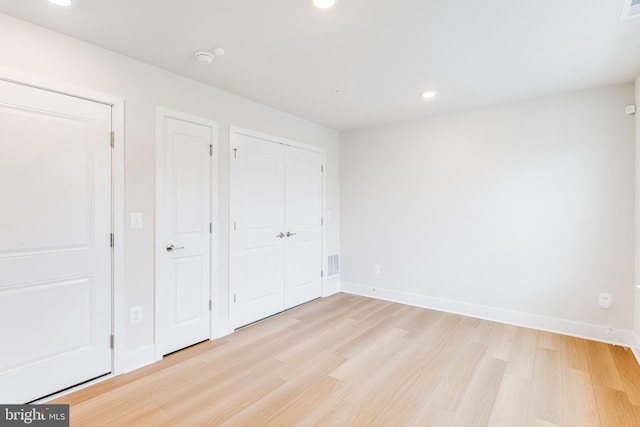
[117,193]
[163,113]
[237,130]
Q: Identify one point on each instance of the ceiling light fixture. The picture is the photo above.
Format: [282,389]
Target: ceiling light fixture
[430,94]
[204,57]
[61,2]
[324,4]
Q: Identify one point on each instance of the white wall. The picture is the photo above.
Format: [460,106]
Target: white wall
[525,208]
[637,233]
[34,50]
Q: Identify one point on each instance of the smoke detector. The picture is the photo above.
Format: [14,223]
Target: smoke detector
[207,58]
[204,57]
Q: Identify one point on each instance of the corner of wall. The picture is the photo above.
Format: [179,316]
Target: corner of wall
[331,286]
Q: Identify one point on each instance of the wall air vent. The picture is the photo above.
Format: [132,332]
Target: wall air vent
[333,265]
[631,9]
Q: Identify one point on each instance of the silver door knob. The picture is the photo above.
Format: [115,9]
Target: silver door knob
[171,248]
[280,235]
[289,234]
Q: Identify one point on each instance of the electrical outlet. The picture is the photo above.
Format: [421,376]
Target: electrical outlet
[135,314]
[376,269]
[604,301]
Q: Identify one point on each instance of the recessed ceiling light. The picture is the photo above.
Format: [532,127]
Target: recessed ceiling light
[324,4]
[430,94]
[61,2]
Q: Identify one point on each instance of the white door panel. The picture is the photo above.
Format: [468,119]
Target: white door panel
[303,212]
[55,254]
[184,236]
[276,241]
[257,204]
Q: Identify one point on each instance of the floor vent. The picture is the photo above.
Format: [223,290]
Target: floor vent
[631,9]
[333,265]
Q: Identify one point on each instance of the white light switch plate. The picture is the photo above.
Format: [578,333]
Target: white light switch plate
[136,219]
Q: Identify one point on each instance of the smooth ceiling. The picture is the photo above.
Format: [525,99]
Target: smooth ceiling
[365,62]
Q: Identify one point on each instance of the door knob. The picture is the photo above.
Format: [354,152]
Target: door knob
[280,235]
[289,234]
[171,248]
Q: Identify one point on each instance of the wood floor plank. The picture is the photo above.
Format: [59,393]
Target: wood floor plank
[433,416]
[478,402]
[546,387]
[523,353]
[536,422]
[549,340]
[574,353]
[629,371]
[352,361]
[512,402]
[602,366]
[501,341]
[579,401]
[615,409]
[459,374]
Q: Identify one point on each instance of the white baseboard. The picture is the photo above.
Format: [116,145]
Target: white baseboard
[220,329]
[593,332]
[330,287]
[139,357]
[635,345]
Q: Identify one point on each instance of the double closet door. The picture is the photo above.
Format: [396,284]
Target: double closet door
[276,227]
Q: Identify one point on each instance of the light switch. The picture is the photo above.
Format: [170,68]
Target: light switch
[136,219]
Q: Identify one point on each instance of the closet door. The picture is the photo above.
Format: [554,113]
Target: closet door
[276,230]
[257,229]
[303,227]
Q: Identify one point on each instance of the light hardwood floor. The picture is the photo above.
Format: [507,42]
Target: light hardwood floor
[353,361]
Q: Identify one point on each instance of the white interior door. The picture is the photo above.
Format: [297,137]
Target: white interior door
[276,230]
[257,242]
[184,252]
[55,250]
[303,216]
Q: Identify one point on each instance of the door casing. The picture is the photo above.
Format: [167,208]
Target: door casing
[117,194]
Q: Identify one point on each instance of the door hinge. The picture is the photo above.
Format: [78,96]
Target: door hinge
[211,150]
[235,153]
[111,240]
[321,273]
[321,221]
[322,169]
[113,139]
[234,226]
[235,298]
[111,341]
[210,305]
[210,228]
